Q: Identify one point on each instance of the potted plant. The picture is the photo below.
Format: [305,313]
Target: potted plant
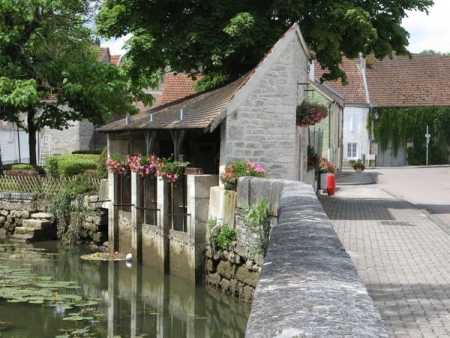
[325,168]
[358,165]
[240,168]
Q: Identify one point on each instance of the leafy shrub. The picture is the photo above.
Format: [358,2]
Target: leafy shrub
[359,164]
[102,172]
[87,152]
[224,237]
[256,217]
[70,165]
[68,208]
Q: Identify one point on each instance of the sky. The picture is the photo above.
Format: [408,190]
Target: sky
[429,31]
[426,31]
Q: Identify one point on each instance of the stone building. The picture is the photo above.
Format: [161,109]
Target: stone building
[252,118]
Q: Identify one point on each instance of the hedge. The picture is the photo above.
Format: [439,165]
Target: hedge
[70,165]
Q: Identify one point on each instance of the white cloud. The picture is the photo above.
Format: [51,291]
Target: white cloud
[430,31]
[116,45]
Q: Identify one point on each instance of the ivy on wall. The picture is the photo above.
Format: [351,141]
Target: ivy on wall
[397,125]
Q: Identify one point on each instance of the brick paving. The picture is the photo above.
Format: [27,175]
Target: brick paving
[401,254]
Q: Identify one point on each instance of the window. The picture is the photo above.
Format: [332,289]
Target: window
[352,150]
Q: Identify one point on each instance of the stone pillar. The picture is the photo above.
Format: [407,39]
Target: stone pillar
[136,221]
[198,194]
[163,222]
[113,214]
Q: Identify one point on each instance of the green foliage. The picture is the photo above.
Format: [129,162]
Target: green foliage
[49,69]
[69,210]
[358,164]
[313,158]
[70,165]
[220,235]
[397,125]
[210,81]
[102,172]
[224,237]
[87,152]
[432,52]
[230,38]
[256,217]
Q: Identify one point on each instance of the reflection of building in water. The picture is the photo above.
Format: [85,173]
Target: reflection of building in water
[141,301]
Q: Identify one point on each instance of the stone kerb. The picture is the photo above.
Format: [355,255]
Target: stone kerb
[308,285]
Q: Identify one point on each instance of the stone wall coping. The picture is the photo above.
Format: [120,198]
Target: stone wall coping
[308,286]
[19,196]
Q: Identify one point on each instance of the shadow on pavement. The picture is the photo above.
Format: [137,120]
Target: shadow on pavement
[361,209]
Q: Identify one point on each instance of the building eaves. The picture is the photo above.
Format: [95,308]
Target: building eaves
[327,91]
[200,111]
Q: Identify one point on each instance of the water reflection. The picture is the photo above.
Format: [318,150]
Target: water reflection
[132,301]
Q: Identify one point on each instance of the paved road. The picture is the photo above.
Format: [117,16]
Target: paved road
[401,252]
[428,188]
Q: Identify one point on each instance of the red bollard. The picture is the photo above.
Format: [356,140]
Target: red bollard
[331,184]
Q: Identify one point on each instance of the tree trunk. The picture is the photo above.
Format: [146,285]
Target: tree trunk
[32,135]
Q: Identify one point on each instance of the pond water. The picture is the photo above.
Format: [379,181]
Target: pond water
[46,290]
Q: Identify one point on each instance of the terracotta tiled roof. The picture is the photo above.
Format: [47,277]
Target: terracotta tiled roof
[176,86]
[115,59]
[353,92]
[201,111]
[423,80]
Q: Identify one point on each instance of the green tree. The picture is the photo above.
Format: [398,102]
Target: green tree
[227,38]
[49,73]
[432,52]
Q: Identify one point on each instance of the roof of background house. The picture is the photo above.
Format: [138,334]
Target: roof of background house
[115,59]
[423,80]
[353,92]
[176,86]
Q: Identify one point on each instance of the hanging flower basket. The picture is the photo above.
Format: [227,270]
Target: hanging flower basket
[169,170]
[115,165]
[308,114]
[144,165]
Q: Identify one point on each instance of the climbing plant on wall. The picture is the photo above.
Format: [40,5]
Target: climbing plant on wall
[397,125]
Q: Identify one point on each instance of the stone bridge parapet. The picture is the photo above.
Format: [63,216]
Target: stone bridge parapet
[308,286]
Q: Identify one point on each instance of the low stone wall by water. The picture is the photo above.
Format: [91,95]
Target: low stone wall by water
[308,285]
[17,207]
[14,208]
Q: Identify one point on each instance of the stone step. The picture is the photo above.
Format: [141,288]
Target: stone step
[27,230]
[22,238]
[42,215]
[36,223]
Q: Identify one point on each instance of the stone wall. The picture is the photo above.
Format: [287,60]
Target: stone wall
[14,208]
[308,280]
[17,207]
[268,103]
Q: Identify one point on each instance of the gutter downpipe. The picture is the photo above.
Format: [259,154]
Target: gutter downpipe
[362,65]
